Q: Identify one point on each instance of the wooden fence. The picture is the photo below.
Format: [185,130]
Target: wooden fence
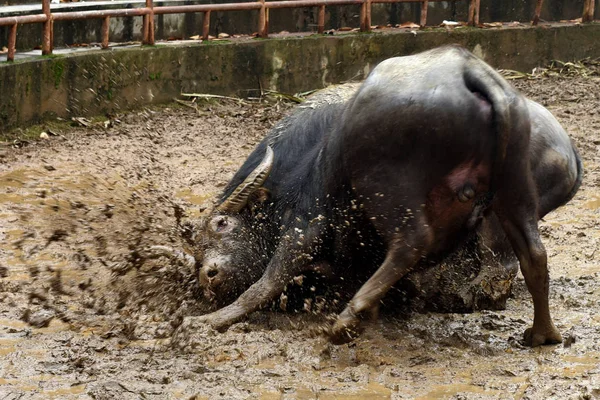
[149,11]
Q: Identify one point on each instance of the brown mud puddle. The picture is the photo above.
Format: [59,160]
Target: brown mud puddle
[81,317]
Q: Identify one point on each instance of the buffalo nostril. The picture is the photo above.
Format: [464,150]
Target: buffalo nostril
[212,273]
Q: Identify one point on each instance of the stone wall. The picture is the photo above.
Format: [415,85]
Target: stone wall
[98,82]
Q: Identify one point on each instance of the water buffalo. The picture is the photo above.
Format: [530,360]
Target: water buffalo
[425,148]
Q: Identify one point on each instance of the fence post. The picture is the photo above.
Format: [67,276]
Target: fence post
[262,20]
[538,11]
[144,28]
[105,30]
[321,20]
[588,11]
[474,12]
[148,33]
[150,4]
[12,43]
[424,7]
[266,22]
[205,25]
[365,16]
[47,30]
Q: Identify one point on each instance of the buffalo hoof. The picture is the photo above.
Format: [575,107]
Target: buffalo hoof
[345,329]
[539,337]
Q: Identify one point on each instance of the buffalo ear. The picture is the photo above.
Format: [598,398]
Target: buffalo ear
[258,198]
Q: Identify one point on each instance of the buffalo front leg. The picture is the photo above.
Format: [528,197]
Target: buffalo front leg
[399,260]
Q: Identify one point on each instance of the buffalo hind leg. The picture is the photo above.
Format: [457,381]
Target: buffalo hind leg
[400,259]
[522,231]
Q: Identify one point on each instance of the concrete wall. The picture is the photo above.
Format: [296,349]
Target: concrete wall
[292,20]
[116,80]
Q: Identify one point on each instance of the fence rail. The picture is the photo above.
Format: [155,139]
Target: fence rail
[148,12]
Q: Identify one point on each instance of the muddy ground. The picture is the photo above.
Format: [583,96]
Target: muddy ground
[82,316]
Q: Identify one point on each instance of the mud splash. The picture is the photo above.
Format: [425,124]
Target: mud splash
[83,315]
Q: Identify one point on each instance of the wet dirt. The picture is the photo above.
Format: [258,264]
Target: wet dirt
[82,315]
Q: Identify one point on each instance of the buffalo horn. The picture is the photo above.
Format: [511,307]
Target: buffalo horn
[238,199]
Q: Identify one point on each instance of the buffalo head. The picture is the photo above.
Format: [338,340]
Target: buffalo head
[233,242]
